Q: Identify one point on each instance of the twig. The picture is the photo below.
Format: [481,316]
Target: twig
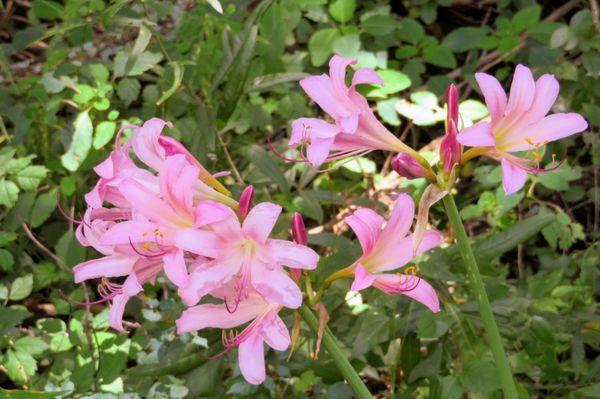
[236,173]
[595,14]
[41,246]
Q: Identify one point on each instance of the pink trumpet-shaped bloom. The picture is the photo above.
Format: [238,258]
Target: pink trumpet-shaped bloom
[519,123]
[450,148]
[244,254]
[386,248]
[264,326]
[406,166]
[355,130]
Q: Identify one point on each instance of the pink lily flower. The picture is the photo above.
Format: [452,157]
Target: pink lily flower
[356,130]
[244,253]
[518,124]
[388,248]
[264,326]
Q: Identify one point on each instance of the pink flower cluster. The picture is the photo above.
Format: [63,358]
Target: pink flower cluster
[173,216]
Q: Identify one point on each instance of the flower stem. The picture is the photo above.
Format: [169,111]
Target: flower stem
[333,347]
[491,330]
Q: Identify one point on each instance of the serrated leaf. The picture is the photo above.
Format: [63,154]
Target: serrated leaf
[81,142]
[30,178]
[43,207]
[9,192]
[20,366]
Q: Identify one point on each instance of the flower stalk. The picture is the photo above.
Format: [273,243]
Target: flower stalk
[485,309]
[334,349]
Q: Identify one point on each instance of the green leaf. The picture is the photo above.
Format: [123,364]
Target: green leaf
[21,288]
[84,94]
[105,131]
[80,143]
[347,45]
[481,376]
[30,178]
[46,9]
[6,260]
[99,72]
[69,249]
[9,192]
[527,17]
[394,81]
[309,206]
[32,345]
[169,366]
[465,39]
[263,162]
[360,165]
[439,55]
[128,64]
[559,178]
[20,366]
[43,207]
[387,111]
[10,317]
[379,24]
[19,394]
[342,10]
[411,31]
[128,90]
[320,45]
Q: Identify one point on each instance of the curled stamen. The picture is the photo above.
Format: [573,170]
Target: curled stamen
[69,218]
[151,256]
[78,303]
[279,155]
[237,303]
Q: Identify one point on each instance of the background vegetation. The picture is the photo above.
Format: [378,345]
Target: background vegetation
[225,73]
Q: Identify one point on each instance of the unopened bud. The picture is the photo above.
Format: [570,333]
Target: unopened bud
[299,230]
[246,200]
[450,148]
[407,166]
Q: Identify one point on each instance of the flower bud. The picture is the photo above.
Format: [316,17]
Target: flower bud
[450,149]
[245,202]
[299,230]
[407,166]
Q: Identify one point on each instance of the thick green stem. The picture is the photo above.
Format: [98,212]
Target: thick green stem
[491,330]
[333,348]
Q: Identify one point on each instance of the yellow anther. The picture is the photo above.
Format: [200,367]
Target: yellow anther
[146,245]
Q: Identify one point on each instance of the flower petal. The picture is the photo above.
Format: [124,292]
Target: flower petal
[251,358]
[177,181]
[274,331]
[145,142]
[108,266]
[493,93]
[411,286]
[337,71]
[128,232]
[366,76]
[208,212]
[522,91]
[287,253]
[399,223]
[399,252]
[318,151]
[175,268]
[362,279]
[366,224]
[513,177]
[276,286]
[218,316]
[477,135]
[260,221]
[209,277]
[199,242]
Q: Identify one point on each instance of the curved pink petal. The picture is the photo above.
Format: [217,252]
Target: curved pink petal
[208,212]
[513,177]
[477,135]
[209,277]
[522,92]
[362,278]
[177,182]
[493,93]
[128,232]
[260,221]
[199,242]
[349,123]
[366,224]
[115,313]
[251,357]
[287,253]
[145,142]
[318,151]
[411,286]
[551,128]
[274,331]
[366,76]
[276,286]
[399,223]
[108,266]
[401,251]
[218,316]
[175,268]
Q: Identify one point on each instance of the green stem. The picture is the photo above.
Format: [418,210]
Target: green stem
[491,330]
[333,347]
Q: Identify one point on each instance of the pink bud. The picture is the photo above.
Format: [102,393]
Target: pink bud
[245,202]
[406,166]
[299,230]
[450,149]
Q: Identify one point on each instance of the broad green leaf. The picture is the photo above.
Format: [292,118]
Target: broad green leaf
[265,163]
[20,366]
[69,249]
[9,193]
[105,131]
[411,31]
[440,56]
[30,178]
[320,45]
[81,142]
[342,10]
[394,81]
[347,45]
[465,39]
[43,207]
[527,17]
[472,110]
[359,165]
[84,94]
[170,366]
[47,9]
[32,345]
[10,317]
[387,111]
[6,260]
[481,376]
[128,90]
[379,24]
[130,64]
[21,288]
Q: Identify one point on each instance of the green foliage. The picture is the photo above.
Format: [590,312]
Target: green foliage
[73,74]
